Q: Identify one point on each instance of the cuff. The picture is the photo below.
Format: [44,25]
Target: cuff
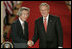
[60,47]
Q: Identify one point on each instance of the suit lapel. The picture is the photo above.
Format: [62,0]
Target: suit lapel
[20,30]
[42,24]
[25,27]
[49,23]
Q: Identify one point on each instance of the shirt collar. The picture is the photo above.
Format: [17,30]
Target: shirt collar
[21,20]
[46,17]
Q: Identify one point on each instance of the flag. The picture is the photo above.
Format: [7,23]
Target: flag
[9,6]
[2,18]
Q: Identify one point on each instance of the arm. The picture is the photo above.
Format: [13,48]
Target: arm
[35,37]
[27,32]
[60,33]
[36,34]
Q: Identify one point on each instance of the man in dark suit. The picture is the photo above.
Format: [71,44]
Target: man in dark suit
[48,29]
[19,29]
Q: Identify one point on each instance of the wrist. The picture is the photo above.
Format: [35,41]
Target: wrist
[32,42]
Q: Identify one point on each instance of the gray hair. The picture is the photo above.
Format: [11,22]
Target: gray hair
[44,4]
[21,9]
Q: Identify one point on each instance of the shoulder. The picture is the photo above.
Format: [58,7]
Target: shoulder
[26,22]
[54,16]
[39,19]
[15,22]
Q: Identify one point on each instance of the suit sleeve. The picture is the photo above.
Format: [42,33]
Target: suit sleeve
[14,36]
[60,32]
[27,32]
[36,35]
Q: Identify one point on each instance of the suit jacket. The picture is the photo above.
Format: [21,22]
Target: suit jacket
[17,32]
[54,35]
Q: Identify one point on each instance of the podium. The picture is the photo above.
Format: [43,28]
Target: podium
[20,45]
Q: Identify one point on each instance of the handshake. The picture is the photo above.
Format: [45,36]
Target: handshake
[30,43]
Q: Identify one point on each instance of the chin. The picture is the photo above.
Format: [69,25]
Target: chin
[24,20]
[44,16]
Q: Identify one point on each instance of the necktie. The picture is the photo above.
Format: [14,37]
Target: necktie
[45,24]
[23,26]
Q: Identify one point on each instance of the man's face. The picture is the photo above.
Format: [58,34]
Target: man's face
[24,15]
[44,11]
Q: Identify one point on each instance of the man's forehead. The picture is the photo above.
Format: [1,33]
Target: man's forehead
[25,11]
